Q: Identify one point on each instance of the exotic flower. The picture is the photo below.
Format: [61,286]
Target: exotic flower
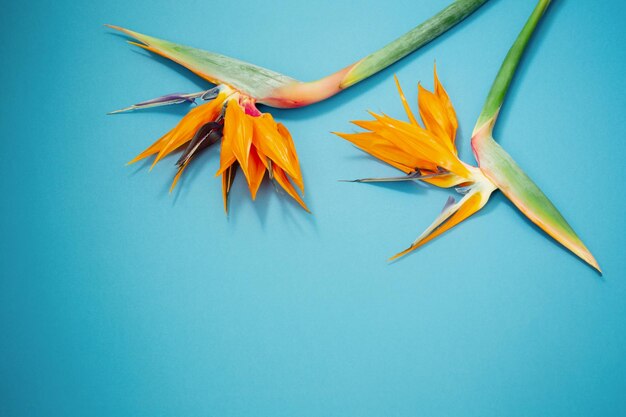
[425,153]
[429,154]
[252,140]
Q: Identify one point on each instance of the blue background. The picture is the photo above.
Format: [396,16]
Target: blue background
[117,299]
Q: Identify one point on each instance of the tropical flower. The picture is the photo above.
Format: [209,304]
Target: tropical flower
[251,140]
[429,154]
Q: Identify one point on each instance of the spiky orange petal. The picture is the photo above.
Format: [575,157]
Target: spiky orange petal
[256,171]
[450,217]
[407,108]
[447,105]
[417,153]
[184,131]
[238,132]
[281,177]
[271,143]
[424,142]
[227,157]
[284,132]
[177,177]
[435,118]
[380,148]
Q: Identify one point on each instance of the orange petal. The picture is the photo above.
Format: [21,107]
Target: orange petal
[381,148]
[447,105]
[188,126]
[271,143]
[184,131]
[424,143]
[151,150]
[413,142]
[238,132]
[435,117]
[177,177]
[280,177]
[227,157]
[294,155]
[447,181]
[256,171]
[450,217]
[407,109]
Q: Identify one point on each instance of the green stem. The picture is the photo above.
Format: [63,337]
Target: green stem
[507,71]
[278,90]
[410,41]
[500,168]
[298,94]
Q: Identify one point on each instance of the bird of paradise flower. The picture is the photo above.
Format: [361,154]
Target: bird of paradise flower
[252,140]
[429,154]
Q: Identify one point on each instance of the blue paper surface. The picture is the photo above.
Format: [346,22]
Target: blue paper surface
[118,299]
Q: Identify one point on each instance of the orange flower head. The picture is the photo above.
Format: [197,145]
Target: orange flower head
[429,150]
[425,152]
[250,140]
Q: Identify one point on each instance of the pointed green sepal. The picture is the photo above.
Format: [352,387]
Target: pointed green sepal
[278,90]
[501,169]
[411,41]
[247,78]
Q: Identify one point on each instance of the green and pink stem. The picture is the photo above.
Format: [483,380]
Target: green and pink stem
[500,168]
[278,90]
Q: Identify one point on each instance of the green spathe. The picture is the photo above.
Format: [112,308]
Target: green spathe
[411,41]
[278,90]
[503,171]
